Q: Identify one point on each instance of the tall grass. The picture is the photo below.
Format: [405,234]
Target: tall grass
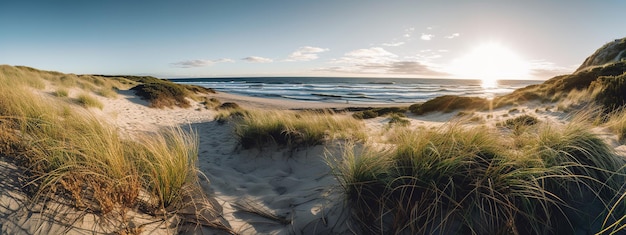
[617,123]
[458,180]
[88,101]
[257,128]
[71,154]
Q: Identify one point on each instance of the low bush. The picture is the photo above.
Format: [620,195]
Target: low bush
[377,112]
[162,95]
[611,91]
[449,103]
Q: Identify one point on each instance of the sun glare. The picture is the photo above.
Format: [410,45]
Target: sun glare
[490,62]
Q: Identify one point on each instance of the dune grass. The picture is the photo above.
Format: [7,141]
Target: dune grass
[458,180]
[89,101]
[72,155]
[256,128]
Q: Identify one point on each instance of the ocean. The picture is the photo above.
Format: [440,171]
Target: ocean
[355,90]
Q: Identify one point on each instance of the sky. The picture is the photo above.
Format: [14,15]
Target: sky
[230,38]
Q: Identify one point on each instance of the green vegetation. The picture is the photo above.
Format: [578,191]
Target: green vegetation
[88,101]
[163,93]
[70,154]
[459,180]
[293,129]
[397,119]
[449,103]
[611,91]
[377,112]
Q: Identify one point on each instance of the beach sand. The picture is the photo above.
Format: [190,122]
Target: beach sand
[262,191]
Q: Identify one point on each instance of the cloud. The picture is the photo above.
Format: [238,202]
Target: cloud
[198,63]
[306,53]
[377,60]
[368,55]
[408,32]
[393,44]
[454,35]
[257,59]
[427,37]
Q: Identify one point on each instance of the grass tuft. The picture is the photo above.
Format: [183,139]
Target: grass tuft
[259,128]
[89,101]
[458,180]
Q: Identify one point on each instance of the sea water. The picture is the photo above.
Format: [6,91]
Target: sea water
[355,90]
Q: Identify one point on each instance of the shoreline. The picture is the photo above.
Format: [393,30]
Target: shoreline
[284,104]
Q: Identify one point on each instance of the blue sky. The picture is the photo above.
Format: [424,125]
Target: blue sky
[222,38]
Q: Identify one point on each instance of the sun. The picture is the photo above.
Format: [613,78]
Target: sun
[490,62]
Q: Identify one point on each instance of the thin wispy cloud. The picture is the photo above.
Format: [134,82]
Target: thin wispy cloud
[367,55]
[306,53]
[377,60]
[393,44]
[257,59]
[454,35]
[408,32]
[198,63]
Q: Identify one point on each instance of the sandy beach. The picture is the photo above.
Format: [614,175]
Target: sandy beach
[268,190]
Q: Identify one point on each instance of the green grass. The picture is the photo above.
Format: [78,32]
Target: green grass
[458,180]
[258,128]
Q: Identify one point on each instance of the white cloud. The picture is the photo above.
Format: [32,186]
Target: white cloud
[198,63]
[454,35]
[408,32]
[393,44]
[257,59]
[427,37]
[368,55]
[376,60]
[306,53]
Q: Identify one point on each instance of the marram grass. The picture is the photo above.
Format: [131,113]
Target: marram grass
[73,155]
[458,180]
[257,128]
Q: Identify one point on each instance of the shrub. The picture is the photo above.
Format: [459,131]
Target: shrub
[398,120]
[523,120]
[611,92]
[163,94]
[448,103]
[376,112]
[229,105]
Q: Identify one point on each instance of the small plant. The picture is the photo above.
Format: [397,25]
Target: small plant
[61,92]
[258,128]
[107,92]
[396,119]
[376,112]
[89,101]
